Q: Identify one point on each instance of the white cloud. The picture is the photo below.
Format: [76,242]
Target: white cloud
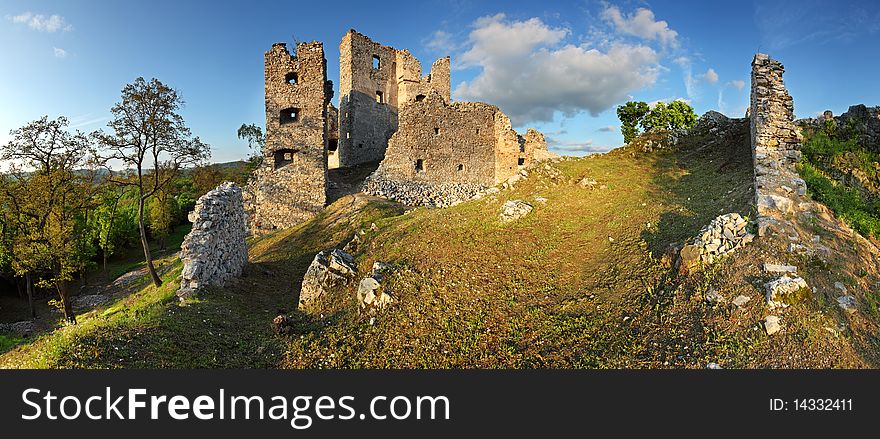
[43,23]
[529,73]
[572,146]
[738,84]
[607,129]
[439,41]
[641,24]
[59,53]
[711,76]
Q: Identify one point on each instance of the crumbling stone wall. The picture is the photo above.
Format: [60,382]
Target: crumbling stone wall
[775,141]
[215,250]
[866,121]
[460,142]
[290,186]
[447,152]
[374,81]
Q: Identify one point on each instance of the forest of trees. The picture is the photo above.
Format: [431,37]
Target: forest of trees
[70,201]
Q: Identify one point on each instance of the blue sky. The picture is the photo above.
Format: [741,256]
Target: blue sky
[559,66]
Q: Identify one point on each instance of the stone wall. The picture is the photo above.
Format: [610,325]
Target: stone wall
[215,250]
[446,152]
[290,186]
[374,81]
[775,142]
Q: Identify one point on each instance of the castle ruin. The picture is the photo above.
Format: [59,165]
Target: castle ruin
[389,115]
[775,142]
[290,185]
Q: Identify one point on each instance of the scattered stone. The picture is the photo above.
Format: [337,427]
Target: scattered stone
[89,301]
[588,182]
[783,286]
[771,325]
[715,366]
[840,286]
[713,296]
[848,304]
[433,195]
[774,268]
[513,210]
[215,250]
[22,328]
[741,300]
[331,269]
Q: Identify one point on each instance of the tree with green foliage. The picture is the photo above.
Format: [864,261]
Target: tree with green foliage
[46,200]
[630,115]
[633,115]
[255,139]
[151,140]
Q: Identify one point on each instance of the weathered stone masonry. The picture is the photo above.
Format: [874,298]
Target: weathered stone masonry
[775,142]
[290,186]
[374,81]
[215,250]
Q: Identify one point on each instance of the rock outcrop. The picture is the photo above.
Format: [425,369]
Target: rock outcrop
[215,250]
[330,270]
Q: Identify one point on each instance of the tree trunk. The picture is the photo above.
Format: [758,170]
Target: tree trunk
[65,301]
[29,285]
[156,280]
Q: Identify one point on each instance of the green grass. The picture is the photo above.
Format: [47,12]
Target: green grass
[8,341]
[856,208]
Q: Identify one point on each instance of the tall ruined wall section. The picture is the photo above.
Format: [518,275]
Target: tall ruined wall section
[775,142]
[215,250]
[374,81]
[290,185]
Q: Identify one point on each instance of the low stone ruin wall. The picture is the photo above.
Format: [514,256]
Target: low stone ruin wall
[421,193]
[215,250]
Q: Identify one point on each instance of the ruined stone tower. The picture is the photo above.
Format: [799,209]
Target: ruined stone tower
[290,185]
[374,81]
[775,141]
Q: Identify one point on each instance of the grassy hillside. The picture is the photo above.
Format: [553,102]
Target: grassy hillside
[579,282]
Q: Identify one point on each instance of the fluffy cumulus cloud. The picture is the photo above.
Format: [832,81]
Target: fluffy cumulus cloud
[641,24]
[439,41]
[738,84]
[43,23]
[59,53]
[711,76]
[530,72]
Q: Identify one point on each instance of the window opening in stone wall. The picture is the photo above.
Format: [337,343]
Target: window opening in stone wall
[436,131]
[360,145]
[376,62]
[478,131]
[291,78]
[332,145]
[420,165]
[284,157]
[289,115]
[522,147]
[420,98]
[521,161]
[460,167]
[379,98]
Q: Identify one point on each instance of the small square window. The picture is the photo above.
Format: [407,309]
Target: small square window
[379,97]
[289,115]
[460,167]
[420,165]
[436,131]
[291,78]
[521,161]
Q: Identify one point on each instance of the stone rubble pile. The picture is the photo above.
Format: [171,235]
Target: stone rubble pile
[330,270]
[215,250]
[89,301]
[513,210]
[421,193]
[722,236]
[23,328]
